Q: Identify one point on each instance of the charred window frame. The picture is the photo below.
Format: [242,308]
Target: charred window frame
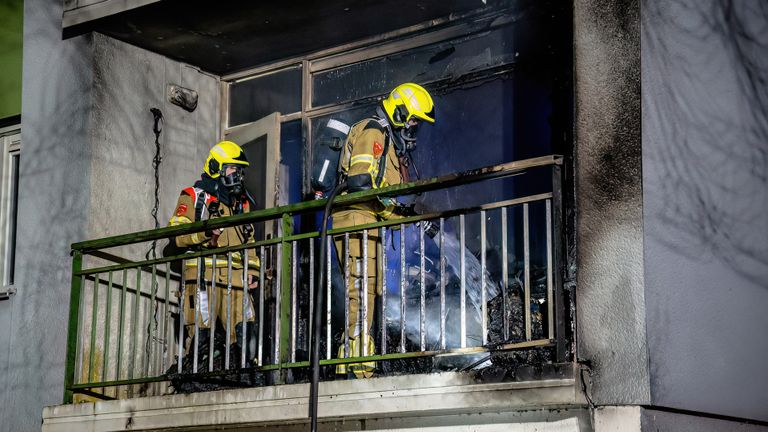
[317,71]
[10,142]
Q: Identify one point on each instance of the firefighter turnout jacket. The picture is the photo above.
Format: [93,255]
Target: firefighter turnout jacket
[193,206]
[367,167]
[201,302]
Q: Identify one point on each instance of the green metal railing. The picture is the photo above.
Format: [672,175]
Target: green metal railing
[126,326]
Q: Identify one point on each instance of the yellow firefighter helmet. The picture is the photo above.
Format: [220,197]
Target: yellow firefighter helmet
[407,101]
[223,153]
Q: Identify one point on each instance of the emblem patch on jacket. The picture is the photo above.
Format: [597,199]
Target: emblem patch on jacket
[181,210]
[377,149]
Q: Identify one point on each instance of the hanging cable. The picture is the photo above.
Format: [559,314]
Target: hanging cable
[156,161]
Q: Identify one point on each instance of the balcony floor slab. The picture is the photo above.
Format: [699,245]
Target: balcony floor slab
[402,397]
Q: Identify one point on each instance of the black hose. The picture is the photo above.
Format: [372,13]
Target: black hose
[319,297]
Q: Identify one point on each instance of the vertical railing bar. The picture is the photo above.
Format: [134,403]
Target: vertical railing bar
[79,360]
[94,311]
[383,255]
[483,287]
[198,311]
[561,298]
[278,297]
[311,292]
[107,329]
[284,311]
[328,298]
[364,301]
[402,288]
[212,315]
[228,335]
[504,274]
[166,319]
[463,243]
[244,306]
[442,284]
[422,292]
[153,324]
[346,294]
[527,271]
[286,229]
[262,257]
[121,323]
[73,327]
[550,305]
[182,318]
[294,300]
[135,324]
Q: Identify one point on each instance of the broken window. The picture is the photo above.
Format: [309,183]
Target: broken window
[255,97]
[450,59]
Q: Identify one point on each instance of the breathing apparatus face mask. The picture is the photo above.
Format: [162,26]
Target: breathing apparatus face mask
[232,177]
[407,133]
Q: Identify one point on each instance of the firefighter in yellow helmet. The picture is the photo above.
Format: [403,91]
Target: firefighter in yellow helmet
[375,155]
[220,192]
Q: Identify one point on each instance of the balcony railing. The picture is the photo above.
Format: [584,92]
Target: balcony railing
[127,334]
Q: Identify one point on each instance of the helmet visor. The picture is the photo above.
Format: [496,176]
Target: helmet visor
[232,175]
[410,129]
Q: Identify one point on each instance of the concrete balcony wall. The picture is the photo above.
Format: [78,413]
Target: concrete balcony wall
[609,202]
[448,400]
[127,82]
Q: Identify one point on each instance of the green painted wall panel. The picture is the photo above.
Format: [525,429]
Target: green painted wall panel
[11,35]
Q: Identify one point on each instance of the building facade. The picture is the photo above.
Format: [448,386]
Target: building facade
[653,111]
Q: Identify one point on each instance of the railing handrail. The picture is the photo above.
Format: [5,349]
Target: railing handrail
[280,353]
[461,178]
[145,264]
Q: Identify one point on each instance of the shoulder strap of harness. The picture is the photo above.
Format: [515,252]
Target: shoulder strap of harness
[381,125]
[376,123]
[384,156]
[202,200]
[200,203]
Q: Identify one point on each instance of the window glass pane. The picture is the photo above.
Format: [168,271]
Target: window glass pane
[499,121]
[448,59]
[11,251]
[255,98]
[291,161]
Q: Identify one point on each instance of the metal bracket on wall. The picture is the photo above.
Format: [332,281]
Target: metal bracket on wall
[7,292]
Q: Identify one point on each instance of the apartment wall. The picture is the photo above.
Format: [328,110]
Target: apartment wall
[655,420]
[705,120]
[53,211]
[85,173]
